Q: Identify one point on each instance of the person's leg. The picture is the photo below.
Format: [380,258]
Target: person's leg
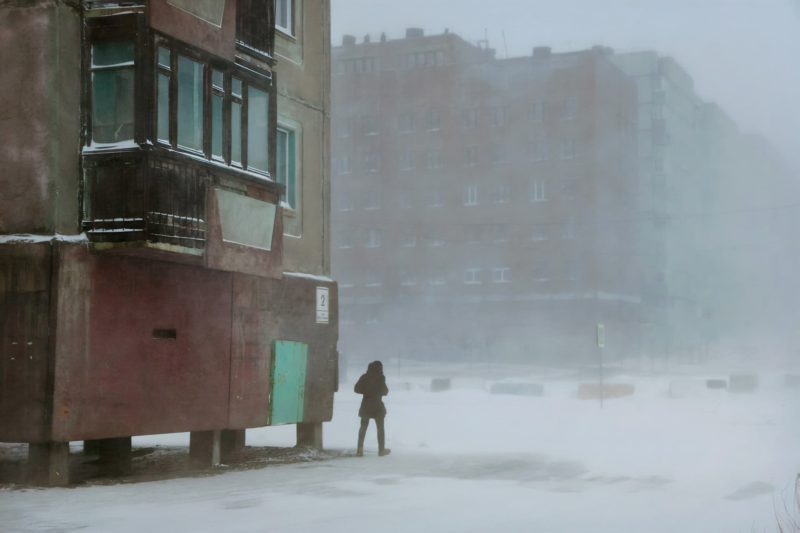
[362,433]
[382,450]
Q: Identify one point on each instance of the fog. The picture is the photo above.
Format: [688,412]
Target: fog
[728,247]
[597,267]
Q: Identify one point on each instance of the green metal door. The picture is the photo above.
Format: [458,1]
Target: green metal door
[288,382]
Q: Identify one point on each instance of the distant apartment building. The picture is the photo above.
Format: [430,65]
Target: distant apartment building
[483,207]
[705,194]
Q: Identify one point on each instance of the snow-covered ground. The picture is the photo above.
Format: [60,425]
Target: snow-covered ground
[466,460]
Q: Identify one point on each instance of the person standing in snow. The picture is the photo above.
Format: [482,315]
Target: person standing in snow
[372,386]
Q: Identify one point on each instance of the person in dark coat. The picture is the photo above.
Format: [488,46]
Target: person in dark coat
[372,386]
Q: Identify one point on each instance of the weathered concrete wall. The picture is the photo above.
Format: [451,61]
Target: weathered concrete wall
[303,75]
[266,310]
[39,116]
[182,25]
[24,341]
[114,377]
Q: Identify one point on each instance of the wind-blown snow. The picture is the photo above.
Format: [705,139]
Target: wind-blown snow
[469,461]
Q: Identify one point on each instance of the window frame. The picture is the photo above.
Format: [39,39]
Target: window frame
[289,29]
[290,196]
[117,28]
[230,72]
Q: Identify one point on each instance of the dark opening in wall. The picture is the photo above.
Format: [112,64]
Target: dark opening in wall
[165,334]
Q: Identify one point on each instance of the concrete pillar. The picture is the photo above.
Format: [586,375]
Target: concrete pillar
[48,463]
[232,442]
[204,448]
[114,455]
[310,435]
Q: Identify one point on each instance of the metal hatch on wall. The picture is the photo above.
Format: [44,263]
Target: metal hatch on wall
[288,382]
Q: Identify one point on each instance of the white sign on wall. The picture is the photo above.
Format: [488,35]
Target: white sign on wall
[323,305]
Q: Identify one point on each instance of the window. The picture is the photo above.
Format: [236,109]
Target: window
[237,104]
[405,200]
[538,234]
[502,234]
[217,104]
[257,128]
[502,194]
[539,150]
[501,275]
[432,120]
[344,127]
[373,200]
[346,203]
[254,25]
[283,16]
[471,195]
[369,125]
[373,238]
[437,198]
[471,156]
[536,191]
[536,112]
[407,279]
[372,162]
[436,280]
[346,239]
[190,104]
[470,118]
[409,241]
[207,109]
[497,116]
[406,123]
[164,74]
[497,154]
[434,159]
[113,75]
[286,172]
[343,164]
[569,109]
[568,149]
[472,276]
[407,161]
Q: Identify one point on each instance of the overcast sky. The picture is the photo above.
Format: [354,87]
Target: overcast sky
[742,54]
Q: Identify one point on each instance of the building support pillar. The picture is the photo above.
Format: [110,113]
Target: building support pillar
[204,448]
[232,442]
[310,435]
[48,463]
[114,454]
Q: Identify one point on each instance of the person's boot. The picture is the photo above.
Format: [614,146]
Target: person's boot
[360,452]
[384,451]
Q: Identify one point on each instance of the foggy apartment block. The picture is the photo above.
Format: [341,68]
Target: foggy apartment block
[709,240]
[164,221]
[483,208]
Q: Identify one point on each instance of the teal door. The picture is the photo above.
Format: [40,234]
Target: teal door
[288,382]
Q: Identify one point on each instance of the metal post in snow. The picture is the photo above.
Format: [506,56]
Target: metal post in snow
[601,343]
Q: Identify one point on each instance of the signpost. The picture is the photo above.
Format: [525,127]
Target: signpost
[601,343]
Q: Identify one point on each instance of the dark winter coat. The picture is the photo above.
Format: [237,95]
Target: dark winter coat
[373,386]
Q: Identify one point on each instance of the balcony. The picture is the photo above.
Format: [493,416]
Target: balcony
[153,199]
[157,198]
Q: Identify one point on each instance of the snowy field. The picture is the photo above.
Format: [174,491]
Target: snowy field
[465,460]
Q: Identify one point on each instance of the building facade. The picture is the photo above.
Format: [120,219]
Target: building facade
[164,261]
[483,208]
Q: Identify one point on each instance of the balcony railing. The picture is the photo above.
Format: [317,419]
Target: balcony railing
[146,197]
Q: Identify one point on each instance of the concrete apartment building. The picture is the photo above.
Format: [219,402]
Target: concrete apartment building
[164,225]
[483,207]
[706,244]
